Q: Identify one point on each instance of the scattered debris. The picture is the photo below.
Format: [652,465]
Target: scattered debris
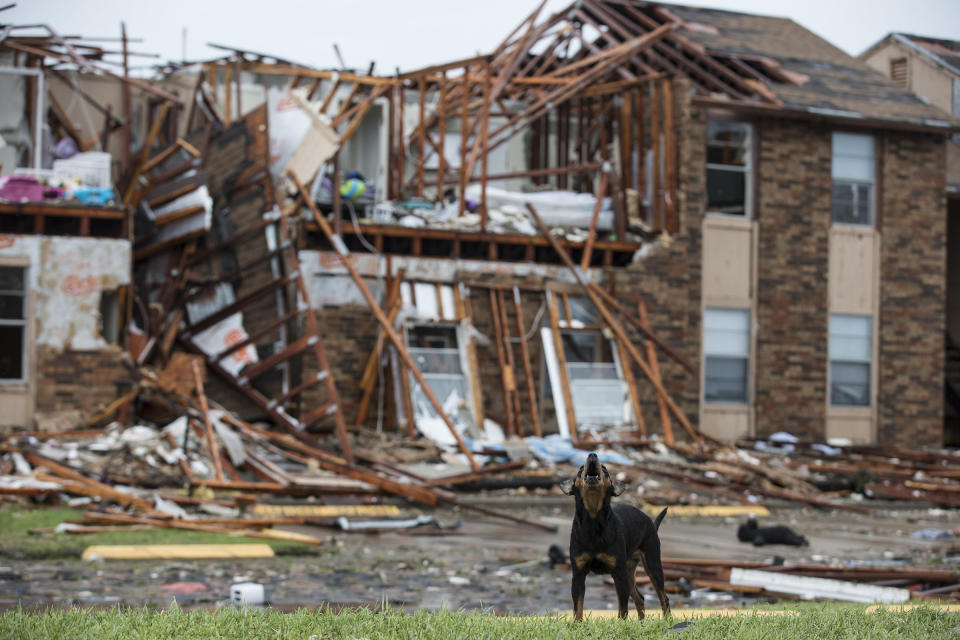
[760,536]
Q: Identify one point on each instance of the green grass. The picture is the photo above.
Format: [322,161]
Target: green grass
[18,543]
[820,622]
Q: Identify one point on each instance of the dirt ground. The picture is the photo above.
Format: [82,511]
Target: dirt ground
[486,564]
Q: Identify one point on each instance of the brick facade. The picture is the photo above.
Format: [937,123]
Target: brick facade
[793,210]
[669,278]
[912,291]
[793,174]
[71,382]
[349,335]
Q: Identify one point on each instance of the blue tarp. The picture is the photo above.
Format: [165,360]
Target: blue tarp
[556,448]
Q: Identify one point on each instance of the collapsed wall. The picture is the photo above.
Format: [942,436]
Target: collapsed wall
[71,363]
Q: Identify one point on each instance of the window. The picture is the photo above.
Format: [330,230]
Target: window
[436,350]
[726,349]
[13,324]
[599,393]
[110,316]
[851,349]
[729,168]
[853,169]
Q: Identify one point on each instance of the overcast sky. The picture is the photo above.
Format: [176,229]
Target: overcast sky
[416,33]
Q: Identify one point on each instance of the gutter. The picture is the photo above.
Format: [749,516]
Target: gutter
[847,118]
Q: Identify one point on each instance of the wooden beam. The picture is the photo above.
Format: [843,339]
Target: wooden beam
[525,356]
[228,92]
[655,368]
[655,186]
[626,365]
[554,317]
[127,121]
[343,253]
[208,428]
[648,334]
[331,95]
[616,327]
[329,462]
[505,377]
[442,133]
[669,159]
[462,200]
[592,233]
[422,131]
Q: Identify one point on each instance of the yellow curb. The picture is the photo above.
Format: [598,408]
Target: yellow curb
[717,510]
[176,551]
[325,510]
[686,614]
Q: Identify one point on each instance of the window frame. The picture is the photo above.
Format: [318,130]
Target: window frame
[23,322]
[747,359]
[747,169]
[464,374]
[870,363]
[956,106]
[871,184]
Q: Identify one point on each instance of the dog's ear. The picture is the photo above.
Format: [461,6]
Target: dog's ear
[567,486]
[616,487]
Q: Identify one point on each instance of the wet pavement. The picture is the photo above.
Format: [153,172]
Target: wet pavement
[489,565]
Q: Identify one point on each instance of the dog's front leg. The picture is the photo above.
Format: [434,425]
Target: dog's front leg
[577,589]
[624,587]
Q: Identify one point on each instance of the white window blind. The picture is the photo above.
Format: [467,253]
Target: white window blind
[851,355]
[726,348]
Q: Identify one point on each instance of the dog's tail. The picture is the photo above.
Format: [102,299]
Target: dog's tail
[659,519]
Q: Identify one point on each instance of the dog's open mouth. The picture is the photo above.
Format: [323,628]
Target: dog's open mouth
[591,474]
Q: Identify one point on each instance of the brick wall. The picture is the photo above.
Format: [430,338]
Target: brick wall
[668,279]
[349,335]
[77,382]
[913,291]
[794,221]
[793,211]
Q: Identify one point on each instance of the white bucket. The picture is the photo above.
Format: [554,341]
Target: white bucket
[247,594]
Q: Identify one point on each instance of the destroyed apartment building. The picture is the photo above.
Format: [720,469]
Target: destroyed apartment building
[688,223]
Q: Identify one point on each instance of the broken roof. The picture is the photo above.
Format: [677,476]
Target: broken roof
[825,80]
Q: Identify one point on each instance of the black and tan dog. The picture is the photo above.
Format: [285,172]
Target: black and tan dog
[611,539]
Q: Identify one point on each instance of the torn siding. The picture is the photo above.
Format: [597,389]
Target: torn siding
[330,284]
[67,276]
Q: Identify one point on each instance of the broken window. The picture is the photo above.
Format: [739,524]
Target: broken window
[435,349]
[851,349]
[13,324]
[729,168]
[599,394]
[109,316]
[726,351]
[853,169]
